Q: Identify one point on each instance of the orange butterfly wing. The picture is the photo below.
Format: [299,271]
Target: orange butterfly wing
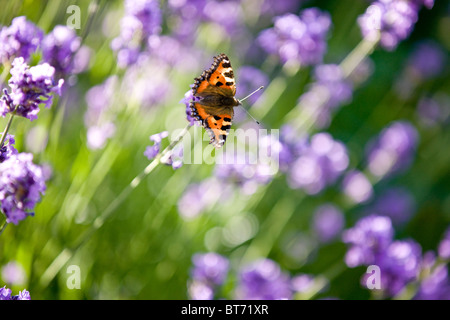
[217,88]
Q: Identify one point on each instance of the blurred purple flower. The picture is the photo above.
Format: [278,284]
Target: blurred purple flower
[209,271]
[252,168]
[187,15]
[263,280]
[200,291]
[142,20]
[13,273]
[249,79]
[147,81]
[209,268]
[328,222]
[5,294]
[243,173]
[152,151]
[167,49]
[98,117]
[368,239]
[199,197]
[275,8]
[298,38]
[318,165]
[7,149]
[393,20]
[427,59]
[435,283]
[293,144]
[302,283]
[97,135]
[329,91]
[371,243]
[20,39]
[393,150]
[29,88]
[59,48]
[357,187]
[396,203]
[444,246]
[433,111]
[399,265]
[21,186]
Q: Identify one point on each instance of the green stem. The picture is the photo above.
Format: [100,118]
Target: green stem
[67,253]
[3,227]
[357,55]
[8,125]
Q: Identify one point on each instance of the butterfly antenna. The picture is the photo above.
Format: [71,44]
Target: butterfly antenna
[240,103]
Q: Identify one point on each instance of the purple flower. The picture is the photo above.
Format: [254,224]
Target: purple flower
[21,186]
[187,15]
[318,165]
[298,38]
[210,268]
[13,273]
[7,149]
[329,91]
[396,203]
[5,294]
[302,283]
[200,291]
[59,48]
[393,150]
[357,187]
[263,280]
[20,39]
[393,20]
[226,14]
[399,265]
[29,88]
[188,97]
[98,117]
[293,144]
[270,7]
[435,284]
[433,111]
[98,135]
[328,222]
[147,82]
[199,197]
[174,157]
[250,78]
[207,274]
[142,20]
[368,239]
[444,246]
[152,151]
[427,60]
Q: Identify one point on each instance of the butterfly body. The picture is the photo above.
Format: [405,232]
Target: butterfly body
[214,91]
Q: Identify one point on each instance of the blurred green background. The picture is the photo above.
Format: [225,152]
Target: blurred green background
[143,249]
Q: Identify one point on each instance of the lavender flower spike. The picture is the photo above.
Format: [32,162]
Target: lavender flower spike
[5,294]
[298,38]
[21,186]
[29,88]
[263,280]
[20,39]
[152,151]
[59,48]
[392,20]
[7,149]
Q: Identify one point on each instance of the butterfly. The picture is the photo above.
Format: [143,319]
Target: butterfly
[214,99]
